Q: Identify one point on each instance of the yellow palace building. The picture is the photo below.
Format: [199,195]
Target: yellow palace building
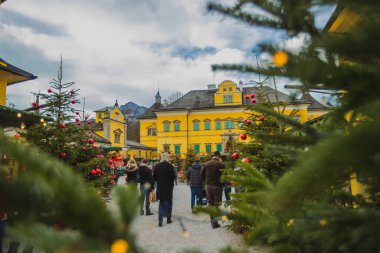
[206,120]
[111,125]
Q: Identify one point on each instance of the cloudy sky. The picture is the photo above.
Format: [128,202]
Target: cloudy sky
[124,49]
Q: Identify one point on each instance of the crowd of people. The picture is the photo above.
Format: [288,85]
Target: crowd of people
[159,180]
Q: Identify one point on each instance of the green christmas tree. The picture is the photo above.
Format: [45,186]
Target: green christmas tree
[68,136]
[310,208]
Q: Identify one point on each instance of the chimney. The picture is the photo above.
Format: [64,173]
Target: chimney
[211,86]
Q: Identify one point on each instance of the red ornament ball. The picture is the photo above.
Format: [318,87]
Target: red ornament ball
[84,148]
[17,136]
[62,155]
[62,125]
[94,147]
[89,122]
[50,90]
[261,118]
[73,101]
[91,141]
[232,183]
[34,104]
[98,171]
[252,95]
[235,156]
[253,101]
[243,136]
[93,172]
[248,122]
[77,119]
[247,96]
[112,182]
[79,123]
[77,113]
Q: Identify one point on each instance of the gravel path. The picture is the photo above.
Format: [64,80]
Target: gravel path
[171,239]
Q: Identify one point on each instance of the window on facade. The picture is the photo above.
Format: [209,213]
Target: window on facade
[99,115]
[117,138]
[230,89]
[229,124]
[208,148]
[227,99]
[196,125]
[152,131]
[166,126]
[224,89]
[117,116]
[167,148]
[196,148]
[139,153]
[177,149]
[176,126]
[207,125]
[219,147]
[218,125]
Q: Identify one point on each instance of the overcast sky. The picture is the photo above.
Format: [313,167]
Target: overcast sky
[124,49]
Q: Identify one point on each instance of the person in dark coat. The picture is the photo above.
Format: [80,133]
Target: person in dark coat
[132,172]
[196,184]
[210,174]
[146,186]
[164,176]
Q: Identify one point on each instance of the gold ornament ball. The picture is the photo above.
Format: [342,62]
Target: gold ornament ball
[19,115]
[280,58]
[224,218]
[290,222]
[42,120]
[44,124]
[323,222]
[119,246]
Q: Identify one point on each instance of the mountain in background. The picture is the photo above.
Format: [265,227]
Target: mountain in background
[132,110]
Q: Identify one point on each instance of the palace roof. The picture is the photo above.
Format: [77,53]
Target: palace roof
[16,75]
[136,145]
[204,99]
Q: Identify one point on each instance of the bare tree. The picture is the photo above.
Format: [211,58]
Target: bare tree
[173,97]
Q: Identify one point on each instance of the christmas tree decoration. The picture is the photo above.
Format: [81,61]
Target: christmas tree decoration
[93,172]
[78,123]
[94,146]
[119,246]
[49,90]
[224,218]
[253,101]
[232,183]
[90,141]
[62,154]
[77,119]
[280,58]
[77,113]
[252,95]
[17,136]
[247,96]
[42,120]
[248,122]
[34,104]
[235,156]
[84,149]
[73,101]
[62,125]
[243,136]
[261,118]
[89,122]
[112,182]
[18,115]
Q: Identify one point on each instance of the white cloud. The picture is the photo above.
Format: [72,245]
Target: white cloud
[107,47]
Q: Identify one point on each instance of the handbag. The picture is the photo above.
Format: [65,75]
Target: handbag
[152,197]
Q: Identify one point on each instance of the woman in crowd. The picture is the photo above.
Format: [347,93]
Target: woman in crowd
[132,171]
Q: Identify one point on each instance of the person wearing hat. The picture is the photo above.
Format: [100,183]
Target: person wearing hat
[210,174]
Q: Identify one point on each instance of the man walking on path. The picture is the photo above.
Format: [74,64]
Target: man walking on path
[210,174]
[164,176]
[146,186]
[196,184]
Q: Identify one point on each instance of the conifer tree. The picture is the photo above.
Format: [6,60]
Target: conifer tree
[311,208]
[68,136]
